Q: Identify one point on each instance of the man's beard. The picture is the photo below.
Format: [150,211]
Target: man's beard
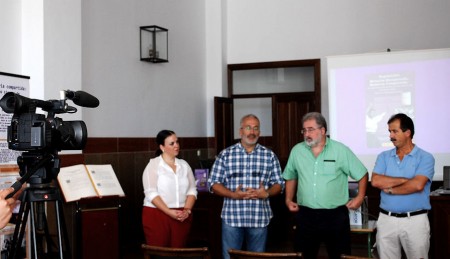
[313,142]
[248,141]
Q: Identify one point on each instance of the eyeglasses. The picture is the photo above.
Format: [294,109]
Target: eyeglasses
[249,128]
[309,130]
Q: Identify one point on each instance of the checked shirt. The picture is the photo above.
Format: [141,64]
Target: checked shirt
[234,167]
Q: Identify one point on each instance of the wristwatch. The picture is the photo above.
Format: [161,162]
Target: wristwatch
[390,190]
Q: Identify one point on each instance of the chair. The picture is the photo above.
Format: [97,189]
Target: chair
[354,257]
[154,252]
[239,254]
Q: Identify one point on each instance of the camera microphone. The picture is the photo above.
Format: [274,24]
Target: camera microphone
[82,98]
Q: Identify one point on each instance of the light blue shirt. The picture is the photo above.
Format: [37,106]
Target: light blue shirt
[417,162]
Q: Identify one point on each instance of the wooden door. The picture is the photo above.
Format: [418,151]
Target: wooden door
[223,122]
[287,113]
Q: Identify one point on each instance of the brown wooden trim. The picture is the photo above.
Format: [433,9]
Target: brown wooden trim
[211,143]
[101,145]
[317,86]
[193,143]
[303,95]
[68,160]
[276,64]
[9,168]
[135,144]
[113,145]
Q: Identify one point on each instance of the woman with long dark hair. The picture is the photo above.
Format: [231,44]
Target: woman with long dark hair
[170,194]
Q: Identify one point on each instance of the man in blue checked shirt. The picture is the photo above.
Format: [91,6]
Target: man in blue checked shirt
[246,174]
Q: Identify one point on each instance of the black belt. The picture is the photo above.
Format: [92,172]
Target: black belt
[403,215]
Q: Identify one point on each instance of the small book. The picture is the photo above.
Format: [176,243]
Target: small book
[360,216]
[85,181]
[355,217]
[201,179]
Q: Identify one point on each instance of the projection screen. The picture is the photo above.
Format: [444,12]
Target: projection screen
[366,89]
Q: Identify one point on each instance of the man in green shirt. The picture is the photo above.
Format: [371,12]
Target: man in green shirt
[318,169]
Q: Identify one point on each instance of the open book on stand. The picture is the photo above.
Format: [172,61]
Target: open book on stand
[85,181]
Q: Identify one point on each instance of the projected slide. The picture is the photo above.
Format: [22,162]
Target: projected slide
[365,90]
[386,94]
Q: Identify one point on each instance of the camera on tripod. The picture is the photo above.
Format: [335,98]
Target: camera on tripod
[41,138]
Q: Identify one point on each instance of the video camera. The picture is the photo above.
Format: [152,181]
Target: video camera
[30,131]
[42,137]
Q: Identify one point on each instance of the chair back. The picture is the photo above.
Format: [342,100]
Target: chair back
[239,254]
[157,252]
[354,257]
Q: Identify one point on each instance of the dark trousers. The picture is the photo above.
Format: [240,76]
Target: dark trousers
[330,226]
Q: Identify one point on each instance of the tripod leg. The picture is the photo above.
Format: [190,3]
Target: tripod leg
[48,240]
[43,243]
[44,240]
[19,230]
[50,245]
[34,253]
[62,231]
[33,204]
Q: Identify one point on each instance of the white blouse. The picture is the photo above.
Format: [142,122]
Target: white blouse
[160,180]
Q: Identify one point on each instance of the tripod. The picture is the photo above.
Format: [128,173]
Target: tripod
[34,199]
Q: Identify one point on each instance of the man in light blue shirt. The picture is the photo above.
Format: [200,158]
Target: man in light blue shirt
[404,176]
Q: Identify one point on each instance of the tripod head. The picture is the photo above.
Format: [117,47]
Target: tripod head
[36,168]
[44,167]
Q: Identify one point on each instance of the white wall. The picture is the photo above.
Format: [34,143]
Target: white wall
[137,99]
[10,43]
[32,45]
[216,56]
[62,50]
[50,56]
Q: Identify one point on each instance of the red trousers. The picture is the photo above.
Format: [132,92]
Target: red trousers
[162,230]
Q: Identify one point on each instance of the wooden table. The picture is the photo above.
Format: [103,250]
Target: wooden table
[367,229]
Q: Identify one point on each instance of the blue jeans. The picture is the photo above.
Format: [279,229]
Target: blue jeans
[233,237]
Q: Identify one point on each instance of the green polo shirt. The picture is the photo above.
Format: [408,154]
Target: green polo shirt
[322,182]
